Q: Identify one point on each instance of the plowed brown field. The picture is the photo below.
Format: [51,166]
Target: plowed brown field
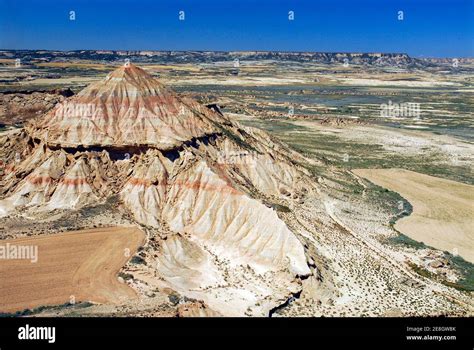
[443,210]
[82,265]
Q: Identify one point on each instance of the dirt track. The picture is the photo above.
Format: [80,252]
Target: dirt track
[83,264]
[443,210]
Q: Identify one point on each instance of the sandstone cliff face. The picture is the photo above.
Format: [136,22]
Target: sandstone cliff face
[205,182]
[195,200]
[73,190]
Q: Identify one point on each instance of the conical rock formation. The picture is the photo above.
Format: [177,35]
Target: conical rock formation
[208,183]
[128,107]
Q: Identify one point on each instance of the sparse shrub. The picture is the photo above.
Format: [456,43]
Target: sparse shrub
[138,260]
[125,276]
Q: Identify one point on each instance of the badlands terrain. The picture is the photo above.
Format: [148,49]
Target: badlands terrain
[235,184]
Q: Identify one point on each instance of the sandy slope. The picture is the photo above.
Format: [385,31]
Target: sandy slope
[82,264]
[443,210]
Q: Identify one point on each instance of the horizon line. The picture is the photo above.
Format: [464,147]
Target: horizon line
[243,51]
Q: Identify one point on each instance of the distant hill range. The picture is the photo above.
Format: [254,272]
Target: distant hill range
[376,59]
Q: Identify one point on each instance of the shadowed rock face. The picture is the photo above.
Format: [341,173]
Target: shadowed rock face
[186,170]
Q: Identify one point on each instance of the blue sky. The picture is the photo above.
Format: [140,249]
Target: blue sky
[430,28]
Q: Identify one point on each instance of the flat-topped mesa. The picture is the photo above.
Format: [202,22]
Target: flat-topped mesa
[127,108]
